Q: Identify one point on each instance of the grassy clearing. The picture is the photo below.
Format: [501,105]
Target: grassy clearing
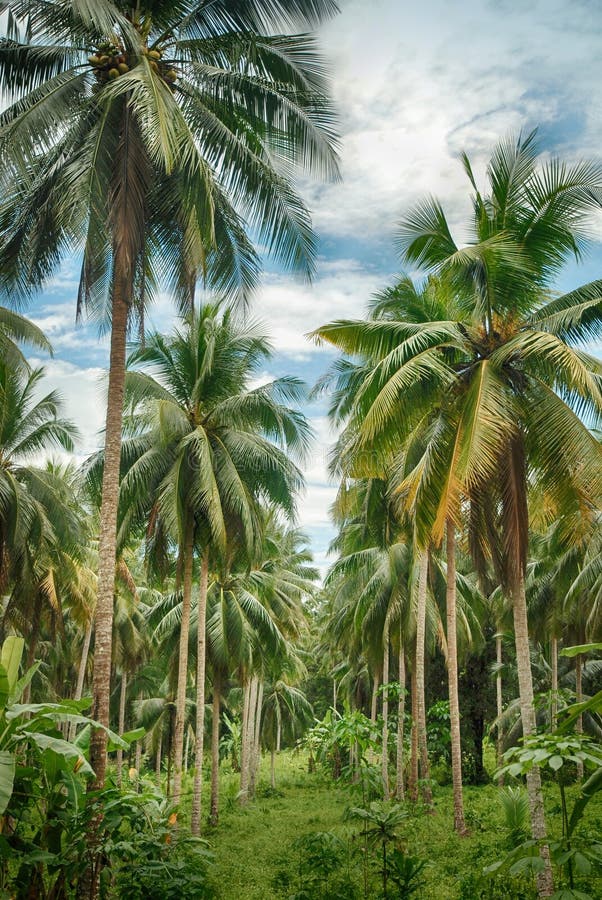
[255,858]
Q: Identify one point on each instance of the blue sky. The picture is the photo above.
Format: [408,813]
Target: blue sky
[414,85]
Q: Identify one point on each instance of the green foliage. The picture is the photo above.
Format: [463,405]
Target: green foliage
[149,855]
[515,804]
[438,732]
[406,872]
[323,868]
[574,852]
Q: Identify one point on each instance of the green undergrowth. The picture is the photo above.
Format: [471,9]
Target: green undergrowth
[257,851]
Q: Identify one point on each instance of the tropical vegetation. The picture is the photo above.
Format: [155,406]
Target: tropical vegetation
[181,689]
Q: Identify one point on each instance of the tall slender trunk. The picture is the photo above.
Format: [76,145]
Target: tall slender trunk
[545,879]
[255,758]
[452,678]
[183,658]
[401,710]
[138,760]
[121,727]
[425,773]
[248,736]
[374,702]
[158,761]
[579,699]
[81,674]
[214,805]
[272,769]
[186,751]
[107,539]
[278,734]
[32,643]
[554,701]
[413,785]
[385,749]
[244,744]
[200,695]
[499,698]
[334,694]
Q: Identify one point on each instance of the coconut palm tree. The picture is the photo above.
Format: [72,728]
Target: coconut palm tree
[205,446]
[519,385]
[31,506]
[147,135]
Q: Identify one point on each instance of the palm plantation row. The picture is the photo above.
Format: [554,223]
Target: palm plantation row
[201,448]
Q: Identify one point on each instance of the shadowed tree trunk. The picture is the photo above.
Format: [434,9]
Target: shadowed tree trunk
[121,727]
[401,709]
[272,769]
[579,699]
[32,643]
[499,699]
[452,678]
[385,749]
[413,785]
[158,761]
[525,682]
[516,519]
[374,701]
[554,703]
[81,674]
[214,812]
[183,659]
[425,773]
[200,695]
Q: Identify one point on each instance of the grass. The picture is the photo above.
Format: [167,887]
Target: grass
[256,857]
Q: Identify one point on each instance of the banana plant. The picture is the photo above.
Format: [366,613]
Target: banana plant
[28,729]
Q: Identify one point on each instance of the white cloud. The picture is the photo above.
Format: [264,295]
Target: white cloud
[84,392]
[415,85]
[291,309]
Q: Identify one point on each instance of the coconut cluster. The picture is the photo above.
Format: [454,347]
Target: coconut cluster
[110,62]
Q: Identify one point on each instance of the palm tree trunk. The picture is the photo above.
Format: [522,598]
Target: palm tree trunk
[244,744]
[138,763]
[122,698]
[420,700]
[278,735]
[452,677]
[158,761]
[248,739]
[200,695]
[334,694]
[183,659]
[401,709]
[579,699]
[107,539]
[499,698]
[214,813]
[374,703]
[545,879]
[554,703]
[385,748]
[255,757]
[413,786]
[81,675]
[32,643]
[272,769]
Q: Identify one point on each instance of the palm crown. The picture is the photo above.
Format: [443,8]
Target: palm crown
[178,125]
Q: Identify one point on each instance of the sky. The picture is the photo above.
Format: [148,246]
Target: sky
[414,85]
